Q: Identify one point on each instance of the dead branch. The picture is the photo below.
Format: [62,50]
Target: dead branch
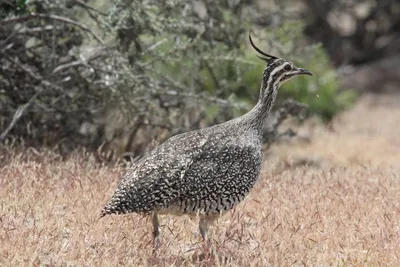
[83,61]
[88,7]
[288,107]
[18,114]
[53,17]
[20,111]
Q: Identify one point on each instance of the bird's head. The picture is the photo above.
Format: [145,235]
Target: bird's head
[277,70]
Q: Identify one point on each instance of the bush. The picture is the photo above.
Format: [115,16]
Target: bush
[321,93]
[72,75]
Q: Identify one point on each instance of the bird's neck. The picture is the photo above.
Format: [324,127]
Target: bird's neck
[258,115]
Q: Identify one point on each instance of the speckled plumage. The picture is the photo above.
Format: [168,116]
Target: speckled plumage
[205,172]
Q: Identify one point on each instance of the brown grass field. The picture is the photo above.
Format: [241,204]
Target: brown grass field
[334,201]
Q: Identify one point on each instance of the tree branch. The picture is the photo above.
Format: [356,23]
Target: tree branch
[20,111]
[18,114]
[288,107]
[89,7]
[53,17]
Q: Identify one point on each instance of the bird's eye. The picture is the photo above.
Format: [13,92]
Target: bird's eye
[288,68]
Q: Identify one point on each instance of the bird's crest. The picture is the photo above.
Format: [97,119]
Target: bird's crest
[264,56]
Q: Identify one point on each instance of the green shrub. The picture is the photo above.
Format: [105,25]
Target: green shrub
[321,92]
[239,78]
[17,7]
[164,69]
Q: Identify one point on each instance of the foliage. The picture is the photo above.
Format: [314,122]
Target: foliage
[321,93]
[72,74]
[16,7]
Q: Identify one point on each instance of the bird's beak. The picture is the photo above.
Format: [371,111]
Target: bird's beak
[304,71]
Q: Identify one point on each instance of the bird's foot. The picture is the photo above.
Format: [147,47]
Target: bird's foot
[207,248]
[204,253]
[156,243]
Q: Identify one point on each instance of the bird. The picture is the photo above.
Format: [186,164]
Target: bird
[204,172]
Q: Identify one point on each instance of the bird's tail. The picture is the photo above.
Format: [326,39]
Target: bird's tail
[114,207]
[105,211]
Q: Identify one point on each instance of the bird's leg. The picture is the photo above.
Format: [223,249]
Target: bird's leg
[204,224]
[156,232]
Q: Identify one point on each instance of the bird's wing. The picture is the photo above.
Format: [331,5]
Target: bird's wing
[177,170]
[219,179]
[157,178]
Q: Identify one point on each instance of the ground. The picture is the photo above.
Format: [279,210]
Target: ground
[333,201]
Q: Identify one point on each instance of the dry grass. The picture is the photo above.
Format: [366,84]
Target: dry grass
[344,211]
